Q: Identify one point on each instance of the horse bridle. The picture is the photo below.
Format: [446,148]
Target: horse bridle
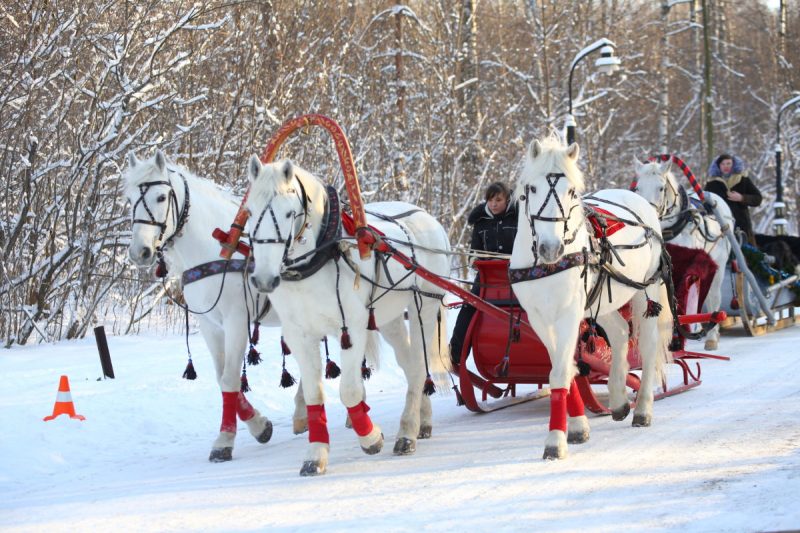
[287,242]
[178,218]
[552,181]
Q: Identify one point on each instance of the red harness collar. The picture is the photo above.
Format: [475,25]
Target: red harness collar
[601,218]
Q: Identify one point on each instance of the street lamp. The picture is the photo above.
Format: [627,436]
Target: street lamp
[779,223]
[607,63]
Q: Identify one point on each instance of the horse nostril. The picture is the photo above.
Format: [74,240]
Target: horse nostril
[146,253]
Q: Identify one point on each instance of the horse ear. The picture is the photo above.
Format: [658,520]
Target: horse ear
[288,170]
[253,168]
[666,166]
[573,151]
[161,160]
[638,165]
[534,149]
[132,161]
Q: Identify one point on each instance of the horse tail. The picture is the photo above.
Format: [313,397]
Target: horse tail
[439,363]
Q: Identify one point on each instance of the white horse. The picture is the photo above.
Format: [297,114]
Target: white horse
[685,225]
[562,274]
[173,215]
[319,286]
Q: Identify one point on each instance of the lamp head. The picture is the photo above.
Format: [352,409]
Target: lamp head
[607,63]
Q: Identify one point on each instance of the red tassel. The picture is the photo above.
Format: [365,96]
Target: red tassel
[653,309]
[189,373]
[253,357]
[285,347]
[254,336]
[459,399]
[429,388]
[161,269]
[734,303]
[502,368]
[366,372]
[245,387]
[332,370]
[287,380]
[345,340]
[371,322]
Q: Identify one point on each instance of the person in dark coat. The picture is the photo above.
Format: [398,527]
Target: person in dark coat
[494,228]
[726,178]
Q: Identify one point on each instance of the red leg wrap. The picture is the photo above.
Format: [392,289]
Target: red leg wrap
[317,424]
[360,419]
[558,409]
[229,401]
[244,409]
[574,401]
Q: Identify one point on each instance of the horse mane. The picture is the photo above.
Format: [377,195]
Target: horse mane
[272,183]
[552,158]
[145,169]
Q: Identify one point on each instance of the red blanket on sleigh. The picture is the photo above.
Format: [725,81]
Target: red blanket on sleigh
[690,265]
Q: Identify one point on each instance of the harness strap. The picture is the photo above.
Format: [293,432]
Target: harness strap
[212,268]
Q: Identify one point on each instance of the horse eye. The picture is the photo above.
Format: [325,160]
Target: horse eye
[533,190]
[660,189]
[161,198]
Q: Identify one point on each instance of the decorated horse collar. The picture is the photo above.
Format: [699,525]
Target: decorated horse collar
[212,268]
[575,259]
[325,248]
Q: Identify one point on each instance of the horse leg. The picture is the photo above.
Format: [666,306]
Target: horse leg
[616,328]
[259,425]
[306,351]
[713,302]
[222,448]
[351,392]
[560,340]
[577,423]
[300,416]
[648,331]
[409,357]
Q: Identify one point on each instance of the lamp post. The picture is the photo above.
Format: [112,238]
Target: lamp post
[779,223]
[606,63]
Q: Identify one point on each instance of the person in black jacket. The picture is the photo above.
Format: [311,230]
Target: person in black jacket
[726,178]
[494,227]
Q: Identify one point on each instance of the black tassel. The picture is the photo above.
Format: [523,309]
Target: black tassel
[284,347]
[189,373]
[345,340]
[245,387]
[287,380]
[161,268]
[502,368]
[459,399]
[676,344]
[653,309]
[429,387]
[254,336]
[332,370]
[366,372]
[371,325]
[253,357]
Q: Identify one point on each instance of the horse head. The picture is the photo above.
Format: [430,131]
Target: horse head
[656,184]
[278,213]
[155,210]
[550,188]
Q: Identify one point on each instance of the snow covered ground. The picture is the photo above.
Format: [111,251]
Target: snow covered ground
[722,457]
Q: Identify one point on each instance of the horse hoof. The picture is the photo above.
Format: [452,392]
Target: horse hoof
[578,437]
[220,455]
[299,425]
[621,413]
[425,432]
[711,345]
[374,448]
[265,435]
[312,468]
[642,421]
[404,446]
[553,452]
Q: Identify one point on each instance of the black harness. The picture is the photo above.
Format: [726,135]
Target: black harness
[179,218]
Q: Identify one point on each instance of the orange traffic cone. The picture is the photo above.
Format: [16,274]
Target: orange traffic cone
[64,405]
